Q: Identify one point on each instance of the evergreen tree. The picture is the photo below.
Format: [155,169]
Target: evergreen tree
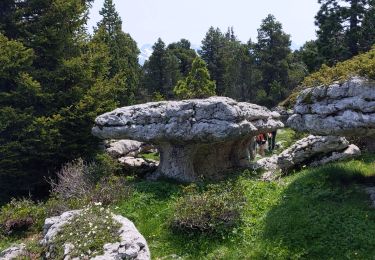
[212,53]
[53,83]
[345,28]
[272,51]
[310,55]
[161,71]
[123,51]
[185,55]
[197,84]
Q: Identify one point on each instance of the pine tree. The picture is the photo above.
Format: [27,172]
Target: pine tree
[161,71]
[197,84]
[212,53]
[53,83]
[185,55]
[309,54]
[123,51]
[272,50]
[345,28]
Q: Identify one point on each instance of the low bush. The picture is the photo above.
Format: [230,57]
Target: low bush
[87,232]
[360,65]
[20,216]
[213,210]
[80,183]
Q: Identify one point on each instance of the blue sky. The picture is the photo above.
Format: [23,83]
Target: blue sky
[146,20]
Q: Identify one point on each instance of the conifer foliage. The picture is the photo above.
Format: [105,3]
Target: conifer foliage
[197,84]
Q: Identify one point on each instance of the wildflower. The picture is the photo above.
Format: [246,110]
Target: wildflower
[97,203]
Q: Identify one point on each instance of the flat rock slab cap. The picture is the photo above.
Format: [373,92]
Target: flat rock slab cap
[198,120]
[344,109]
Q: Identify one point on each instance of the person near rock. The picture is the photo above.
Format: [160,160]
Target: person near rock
[271,139]
[262,144]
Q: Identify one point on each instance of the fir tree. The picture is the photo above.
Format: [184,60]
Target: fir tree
[123,51]
[197,84]
[161,71]
[345,28]
[272,50]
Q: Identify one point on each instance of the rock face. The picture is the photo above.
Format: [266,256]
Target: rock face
[13,252]
[312,151]
[346,109]
[201,137]
[132,244]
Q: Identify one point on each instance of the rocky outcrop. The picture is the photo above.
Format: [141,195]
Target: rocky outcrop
[311,151]
[138,165]
[346,109]
[13,252]
[195,138]
[130,148]
[132,244]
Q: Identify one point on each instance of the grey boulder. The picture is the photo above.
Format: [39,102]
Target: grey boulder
[13,252]
[310,151]
[196,138]
[132,244]
[122,148]
[343,109]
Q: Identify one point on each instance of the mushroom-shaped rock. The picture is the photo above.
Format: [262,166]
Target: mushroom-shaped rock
[346,109]
[198,137]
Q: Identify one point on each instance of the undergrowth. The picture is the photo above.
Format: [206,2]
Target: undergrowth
[360,65]
[316,213]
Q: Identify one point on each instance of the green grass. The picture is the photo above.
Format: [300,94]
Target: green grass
[152,156]
[319,213]
[286,137]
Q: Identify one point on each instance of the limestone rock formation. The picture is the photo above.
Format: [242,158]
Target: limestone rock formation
[138,165]
[346,109]
[13,252]
[199,137]
[312,151]
[122,148]
[132,244]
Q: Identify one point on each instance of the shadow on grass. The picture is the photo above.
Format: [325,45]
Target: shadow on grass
[325,213]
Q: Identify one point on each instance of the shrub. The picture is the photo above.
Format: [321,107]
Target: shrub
[111,189]
[214,210]
[73,180]
[19,216]
[80,183]
[360,65]
[87,232]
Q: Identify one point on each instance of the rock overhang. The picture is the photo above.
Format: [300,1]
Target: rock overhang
[197,138]
[198,120]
